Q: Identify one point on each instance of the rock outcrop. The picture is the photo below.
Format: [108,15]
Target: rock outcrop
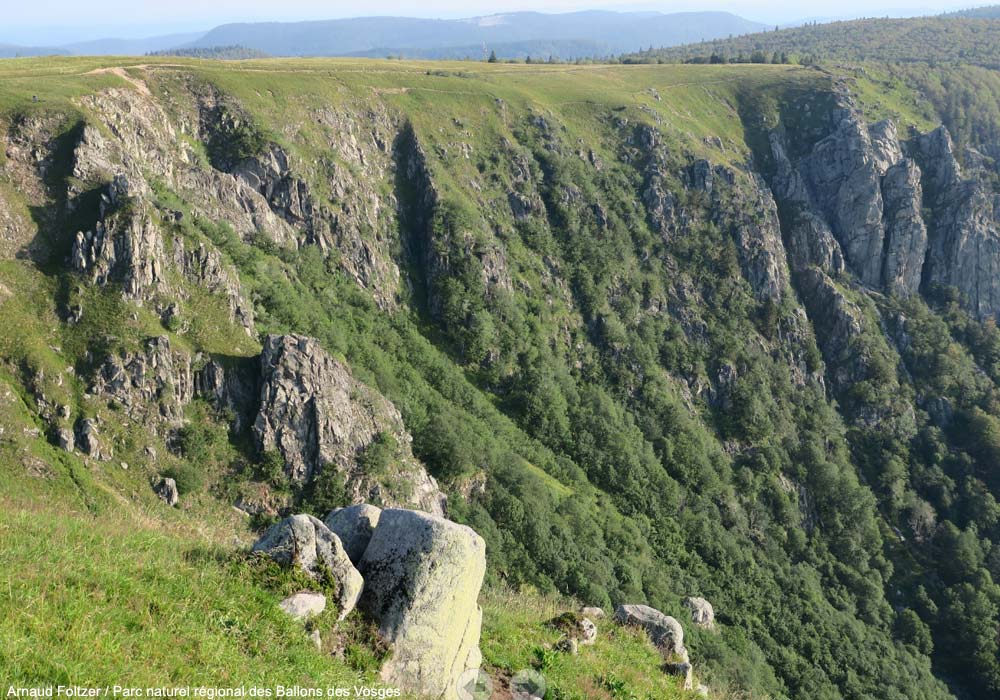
[155,382]
[664,631]
[964,229]
[354,526]
[305,542]
[853,200]
[702,612]
[317,416]
[166,489]
[422,580]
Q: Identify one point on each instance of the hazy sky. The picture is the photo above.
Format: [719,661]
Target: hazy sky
[54,21]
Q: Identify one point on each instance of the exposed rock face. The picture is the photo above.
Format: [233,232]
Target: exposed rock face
[422,580]
[853,200]
[302,606]
[125,246]
[319,417]
[702,612]
[965,229]
[87,440]
[156,382]
[906,235]
[354,526]
[665,632]
[305,542]
[232,387]
[838,321]
[166,489]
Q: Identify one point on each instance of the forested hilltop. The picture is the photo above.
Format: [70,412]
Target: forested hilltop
[972,39]
[654,332]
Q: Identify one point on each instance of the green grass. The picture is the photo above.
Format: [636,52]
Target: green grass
[621,664]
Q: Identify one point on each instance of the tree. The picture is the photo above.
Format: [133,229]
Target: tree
[493,57]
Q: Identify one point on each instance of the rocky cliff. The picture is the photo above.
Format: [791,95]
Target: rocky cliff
[651,343]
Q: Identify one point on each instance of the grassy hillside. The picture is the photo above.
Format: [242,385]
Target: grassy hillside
[614,406]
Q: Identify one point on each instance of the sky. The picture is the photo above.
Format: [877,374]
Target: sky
[51,22]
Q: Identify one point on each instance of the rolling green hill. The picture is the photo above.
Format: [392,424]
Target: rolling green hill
[945,39]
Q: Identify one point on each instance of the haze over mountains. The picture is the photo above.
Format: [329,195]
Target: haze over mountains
[514,35]
[569,35]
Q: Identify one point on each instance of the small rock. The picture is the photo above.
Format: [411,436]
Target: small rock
[702,612]
[316,639]
[166,489]
[588,632]
[593,613]
[124,465]
[569,646]
[354,526]
[303,605]
[702,690]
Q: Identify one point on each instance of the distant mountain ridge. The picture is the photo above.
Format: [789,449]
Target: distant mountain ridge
[942,39]
[510,35]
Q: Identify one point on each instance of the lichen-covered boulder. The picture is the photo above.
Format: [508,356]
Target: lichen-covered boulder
[702,612]
[304,541]
[422,579]
[665,632]
[354,526]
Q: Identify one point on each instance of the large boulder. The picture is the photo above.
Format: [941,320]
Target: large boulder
[422,579]
[354,526]
[665,632]
[305,542]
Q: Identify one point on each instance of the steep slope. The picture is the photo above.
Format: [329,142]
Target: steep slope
[657,332]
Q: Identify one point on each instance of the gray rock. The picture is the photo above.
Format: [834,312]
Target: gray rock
[66,439]
[665,632]
[422,580]
[354,526]
[317,416]
[303,605]
[316,639]
[588,632]
[305,542]
[569,645]
[87,439]
[965,230]
[702,612]
[685,670]
[155,382]
[906,235]
[166,489]
[592,612]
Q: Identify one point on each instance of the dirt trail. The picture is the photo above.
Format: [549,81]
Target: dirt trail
[139,85]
